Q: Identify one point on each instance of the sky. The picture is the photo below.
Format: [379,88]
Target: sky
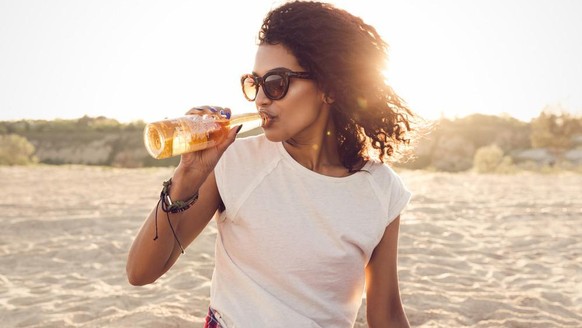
[149,60]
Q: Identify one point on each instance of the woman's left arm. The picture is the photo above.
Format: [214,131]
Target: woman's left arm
[384,306]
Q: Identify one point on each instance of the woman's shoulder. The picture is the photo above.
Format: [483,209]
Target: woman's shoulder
[242,164]
[392,188]
[383,173]
[376,167]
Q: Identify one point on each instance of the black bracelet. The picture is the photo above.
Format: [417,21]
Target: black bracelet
[177,206]
[172,207]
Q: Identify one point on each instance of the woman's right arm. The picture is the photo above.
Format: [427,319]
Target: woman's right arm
[149,259]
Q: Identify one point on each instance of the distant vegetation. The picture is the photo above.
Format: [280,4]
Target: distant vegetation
[87,140]
[484,143]
[497,144]
[16,150]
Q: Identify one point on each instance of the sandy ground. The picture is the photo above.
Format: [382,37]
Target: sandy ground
[475,251]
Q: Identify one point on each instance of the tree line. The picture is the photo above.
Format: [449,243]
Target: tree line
[447,145]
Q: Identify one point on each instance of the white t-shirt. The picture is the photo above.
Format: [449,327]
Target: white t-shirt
[293,244]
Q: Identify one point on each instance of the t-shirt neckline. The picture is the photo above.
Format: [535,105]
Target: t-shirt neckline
[305,171]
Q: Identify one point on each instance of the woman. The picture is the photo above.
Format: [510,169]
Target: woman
[308,213]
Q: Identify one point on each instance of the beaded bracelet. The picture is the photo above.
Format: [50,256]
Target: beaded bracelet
[172,207]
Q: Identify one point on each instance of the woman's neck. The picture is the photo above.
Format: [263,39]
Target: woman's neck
[317,150]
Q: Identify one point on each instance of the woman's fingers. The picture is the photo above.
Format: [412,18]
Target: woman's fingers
[231,136]
[199,110]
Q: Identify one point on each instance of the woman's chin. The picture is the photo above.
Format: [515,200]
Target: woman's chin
[272,136]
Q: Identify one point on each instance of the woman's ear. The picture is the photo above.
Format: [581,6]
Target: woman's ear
[328,99]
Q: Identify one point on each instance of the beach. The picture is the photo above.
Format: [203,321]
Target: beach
[474,251]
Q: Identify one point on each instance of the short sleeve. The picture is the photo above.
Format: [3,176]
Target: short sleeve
[399,198]
[391,191]
[240,169]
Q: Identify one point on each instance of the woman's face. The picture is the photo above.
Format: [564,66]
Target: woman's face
[295,114]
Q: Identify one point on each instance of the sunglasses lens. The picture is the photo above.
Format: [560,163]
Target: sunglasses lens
[275,86]
[249,87]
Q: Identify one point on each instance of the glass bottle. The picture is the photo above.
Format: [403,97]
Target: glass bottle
[190,133]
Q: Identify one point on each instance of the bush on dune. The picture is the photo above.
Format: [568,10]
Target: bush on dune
[487,158]
[16,150]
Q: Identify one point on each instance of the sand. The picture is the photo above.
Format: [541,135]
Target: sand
[475,251]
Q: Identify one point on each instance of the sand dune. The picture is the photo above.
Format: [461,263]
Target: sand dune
[475,251]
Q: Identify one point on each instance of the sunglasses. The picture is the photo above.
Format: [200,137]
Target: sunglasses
[275,84]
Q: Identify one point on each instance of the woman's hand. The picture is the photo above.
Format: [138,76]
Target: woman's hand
[201,163]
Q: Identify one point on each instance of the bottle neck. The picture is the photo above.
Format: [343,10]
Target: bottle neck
[249,121]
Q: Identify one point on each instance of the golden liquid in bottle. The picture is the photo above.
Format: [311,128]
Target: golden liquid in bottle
[173,137]
[192,133]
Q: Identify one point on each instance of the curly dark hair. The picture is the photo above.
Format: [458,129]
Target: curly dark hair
[347,58]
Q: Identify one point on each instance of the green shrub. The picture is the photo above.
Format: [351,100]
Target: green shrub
[487,159]
[16,150]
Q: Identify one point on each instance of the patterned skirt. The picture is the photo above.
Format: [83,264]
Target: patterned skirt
[211,320]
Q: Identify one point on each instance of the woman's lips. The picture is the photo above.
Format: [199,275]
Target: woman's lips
[266,119]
